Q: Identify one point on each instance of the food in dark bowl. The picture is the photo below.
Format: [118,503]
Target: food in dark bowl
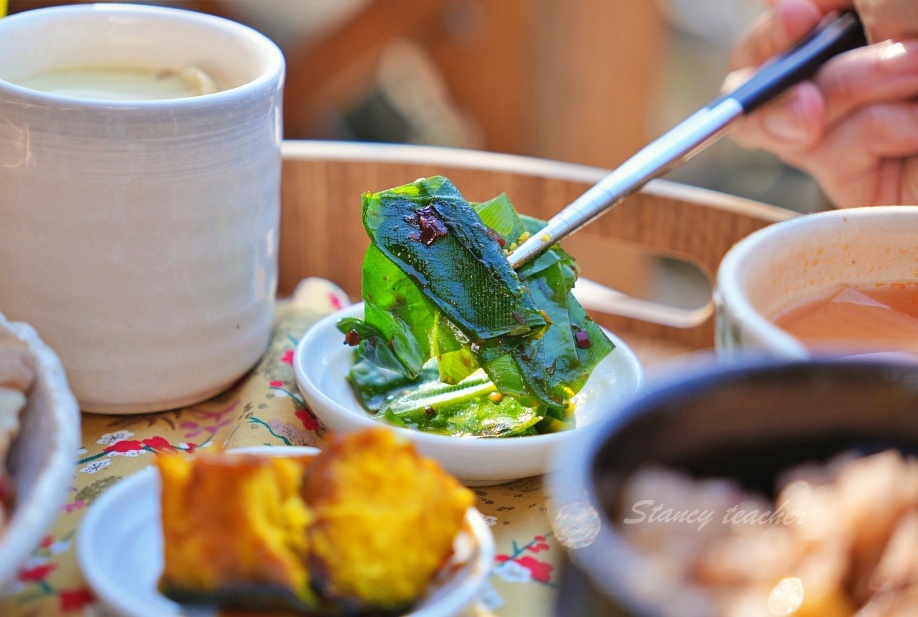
[760,488]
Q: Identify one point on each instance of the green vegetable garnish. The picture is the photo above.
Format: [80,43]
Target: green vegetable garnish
[453,340]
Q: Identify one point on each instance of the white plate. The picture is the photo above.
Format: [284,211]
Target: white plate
[322,360]
[42,456]
[120,548]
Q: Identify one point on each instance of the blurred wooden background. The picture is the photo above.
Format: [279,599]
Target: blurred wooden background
[572,80]
[580,81]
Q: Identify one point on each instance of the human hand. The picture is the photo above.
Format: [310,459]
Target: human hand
[854,126]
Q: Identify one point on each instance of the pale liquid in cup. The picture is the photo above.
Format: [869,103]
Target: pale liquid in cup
[862,319]
[123,83]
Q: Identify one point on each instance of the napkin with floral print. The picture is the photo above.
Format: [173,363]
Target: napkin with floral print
[264,408]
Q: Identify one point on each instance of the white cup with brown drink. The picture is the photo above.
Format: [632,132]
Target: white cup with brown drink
[839,283]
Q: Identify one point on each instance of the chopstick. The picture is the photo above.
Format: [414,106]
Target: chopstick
[834,35]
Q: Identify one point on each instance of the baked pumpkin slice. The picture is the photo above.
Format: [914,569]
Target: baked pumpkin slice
[384,521]
[234,531]
[362,528]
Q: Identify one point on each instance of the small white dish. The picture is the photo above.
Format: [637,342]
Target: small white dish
[120,552]
[322,360]
[42,457]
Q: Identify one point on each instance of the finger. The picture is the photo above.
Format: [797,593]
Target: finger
[774,32]
[857,161]
[884,19]
[882,72]
[879,131]
[791,124]
[827,6]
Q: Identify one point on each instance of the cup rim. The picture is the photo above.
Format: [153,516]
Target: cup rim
[273,71]
[728,280]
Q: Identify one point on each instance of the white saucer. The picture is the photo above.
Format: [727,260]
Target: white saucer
[120,548]
[322,360]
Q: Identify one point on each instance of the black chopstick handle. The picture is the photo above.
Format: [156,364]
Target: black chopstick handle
[781,72]
[833,36]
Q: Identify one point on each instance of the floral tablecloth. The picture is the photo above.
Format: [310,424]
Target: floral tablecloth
[265,408]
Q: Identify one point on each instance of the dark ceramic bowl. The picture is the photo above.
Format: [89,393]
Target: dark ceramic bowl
[748,421]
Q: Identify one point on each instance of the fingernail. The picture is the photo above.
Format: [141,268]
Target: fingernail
[899,57]
[785,126]
[891,51]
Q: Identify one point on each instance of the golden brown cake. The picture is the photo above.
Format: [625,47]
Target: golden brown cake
[361,528]
[234,529]
[384,519]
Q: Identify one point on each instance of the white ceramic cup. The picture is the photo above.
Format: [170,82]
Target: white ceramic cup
[139,237]
[788,262]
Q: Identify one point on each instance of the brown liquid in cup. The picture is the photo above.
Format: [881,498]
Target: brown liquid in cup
[880,317]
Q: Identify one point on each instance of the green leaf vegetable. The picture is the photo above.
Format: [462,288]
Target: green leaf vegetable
[453,340]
